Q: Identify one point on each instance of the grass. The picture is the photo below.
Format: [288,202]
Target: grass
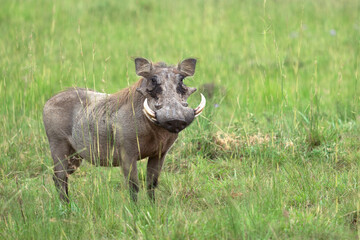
[275,155]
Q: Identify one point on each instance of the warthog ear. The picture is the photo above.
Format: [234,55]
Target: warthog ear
[142,88]
[187,67]
[143,67]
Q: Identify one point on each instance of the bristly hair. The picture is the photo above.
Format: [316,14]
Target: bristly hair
[114,101]
[162,65]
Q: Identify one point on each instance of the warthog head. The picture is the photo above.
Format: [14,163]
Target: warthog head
[166,94]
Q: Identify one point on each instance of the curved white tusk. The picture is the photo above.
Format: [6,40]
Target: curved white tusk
[148,110]
[201,106]
[148,117]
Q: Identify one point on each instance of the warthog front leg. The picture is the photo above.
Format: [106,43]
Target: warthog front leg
[153,171]
[131,176]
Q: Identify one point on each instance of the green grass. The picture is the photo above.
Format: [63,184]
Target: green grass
[277,159]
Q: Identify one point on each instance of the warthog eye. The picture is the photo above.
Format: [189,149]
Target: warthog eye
[155,89]
[181,88]
[154,80]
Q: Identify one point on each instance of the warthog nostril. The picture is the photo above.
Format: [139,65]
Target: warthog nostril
[185,104]
[175,125]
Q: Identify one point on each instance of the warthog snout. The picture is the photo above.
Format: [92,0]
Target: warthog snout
[175,125]
[173,117]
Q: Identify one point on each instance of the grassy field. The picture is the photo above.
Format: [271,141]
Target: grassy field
[275,155]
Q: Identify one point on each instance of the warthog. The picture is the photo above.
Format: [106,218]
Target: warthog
[141,121]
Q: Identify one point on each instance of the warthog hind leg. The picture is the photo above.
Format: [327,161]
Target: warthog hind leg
[73,163]
[60,152]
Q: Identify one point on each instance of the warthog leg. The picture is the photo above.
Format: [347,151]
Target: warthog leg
[60,152]
[154,166]
[131,176]
[73,164]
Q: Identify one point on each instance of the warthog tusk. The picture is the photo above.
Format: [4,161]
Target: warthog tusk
[150,114]
[201,106]
[148,117]
[148,109]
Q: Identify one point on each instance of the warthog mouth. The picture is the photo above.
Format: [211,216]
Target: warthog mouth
[151,115]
